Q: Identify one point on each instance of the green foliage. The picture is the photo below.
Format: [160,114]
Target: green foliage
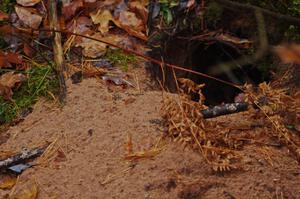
[41,81]
[165,9]
[169,3]
[293,33]
[167,14]
[7,6]
[213,14]
[119,58]
[291,7]
[294,8]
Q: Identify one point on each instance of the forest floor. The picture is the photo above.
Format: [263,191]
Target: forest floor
[90,134]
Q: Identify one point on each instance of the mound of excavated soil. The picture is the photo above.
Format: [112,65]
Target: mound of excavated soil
[91,131]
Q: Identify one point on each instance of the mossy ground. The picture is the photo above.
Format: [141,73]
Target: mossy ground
[7,5]
[121,59]
[41,81]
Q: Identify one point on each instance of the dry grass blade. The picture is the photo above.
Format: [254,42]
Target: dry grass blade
[49,153]
[109,178]
[143,154]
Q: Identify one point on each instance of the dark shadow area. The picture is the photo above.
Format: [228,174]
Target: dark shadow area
[202,57]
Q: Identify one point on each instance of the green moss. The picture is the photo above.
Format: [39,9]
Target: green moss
[7,6]
[293,33]
[119,58]
[41,81]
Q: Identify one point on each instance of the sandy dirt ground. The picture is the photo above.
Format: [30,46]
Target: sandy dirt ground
[91,131]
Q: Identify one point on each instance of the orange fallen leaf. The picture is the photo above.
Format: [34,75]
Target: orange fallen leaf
[8,81]
[288,53]
[69,10]
[28,50]
[131,24]
[11,80]
[3,16]
[7,181]
[7,58]
[92,48]
[29,16]
[81,25]
[8,29]
[28,190]
[102,17]
[139,7]
[95,49]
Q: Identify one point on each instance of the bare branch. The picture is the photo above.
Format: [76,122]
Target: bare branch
[242,6]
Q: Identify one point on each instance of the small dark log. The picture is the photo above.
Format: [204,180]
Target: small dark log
[224,109]
[21,157]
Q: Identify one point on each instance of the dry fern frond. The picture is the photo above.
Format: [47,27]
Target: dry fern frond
[186,125]
[279,109]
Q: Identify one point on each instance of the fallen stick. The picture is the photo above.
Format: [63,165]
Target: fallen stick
[21,157]
[57,49]
[224,109]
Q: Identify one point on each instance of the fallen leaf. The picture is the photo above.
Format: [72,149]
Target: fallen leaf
[8,29]
[7,181]
[81,25]
[102,17]
[92,48]
[140,9]
[28,50]
[129,101]
[288,53]
[70,9]
[8,81]
[28,2]
[27,190]
[11,80]
[129,19]
[3,16]
[60,157]
[95,49]
[131,24]
[29,16]
[7,58]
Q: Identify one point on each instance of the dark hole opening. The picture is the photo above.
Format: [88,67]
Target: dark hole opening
[202,58]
